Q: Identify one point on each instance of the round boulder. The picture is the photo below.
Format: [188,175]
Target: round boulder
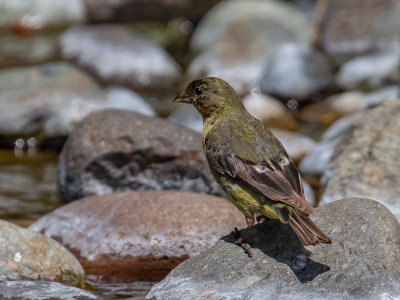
[115,150]
[28,255]
[142,235]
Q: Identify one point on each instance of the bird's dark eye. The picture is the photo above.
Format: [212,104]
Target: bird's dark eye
[198,91]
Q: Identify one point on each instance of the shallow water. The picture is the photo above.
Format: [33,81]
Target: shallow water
[112,291]
[27,185]
[28,190]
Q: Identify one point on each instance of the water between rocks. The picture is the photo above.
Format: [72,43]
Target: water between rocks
[28,190]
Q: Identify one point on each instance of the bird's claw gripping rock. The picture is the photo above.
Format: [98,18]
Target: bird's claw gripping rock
[240,240]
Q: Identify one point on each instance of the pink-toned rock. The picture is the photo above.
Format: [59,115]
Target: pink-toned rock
[139,235]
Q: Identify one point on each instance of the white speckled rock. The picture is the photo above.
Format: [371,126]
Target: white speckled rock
[365,163]
[142,235]
[26,254]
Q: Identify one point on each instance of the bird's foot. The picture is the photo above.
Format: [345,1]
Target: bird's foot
[241,241]
[261,219]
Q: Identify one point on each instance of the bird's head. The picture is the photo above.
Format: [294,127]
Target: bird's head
[210,95]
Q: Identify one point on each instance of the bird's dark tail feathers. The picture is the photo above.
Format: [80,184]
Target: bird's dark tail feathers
[306,230]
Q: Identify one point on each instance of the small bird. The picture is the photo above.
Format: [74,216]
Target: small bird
[249,163]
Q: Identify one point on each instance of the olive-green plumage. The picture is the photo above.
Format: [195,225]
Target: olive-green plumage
[248,162]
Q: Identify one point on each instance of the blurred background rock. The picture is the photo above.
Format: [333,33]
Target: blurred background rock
[316,72]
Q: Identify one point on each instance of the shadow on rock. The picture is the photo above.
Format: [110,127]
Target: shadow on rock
[278,241]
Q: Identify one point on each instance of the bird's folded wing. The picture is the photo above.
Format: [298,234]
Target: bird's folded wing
[276,180]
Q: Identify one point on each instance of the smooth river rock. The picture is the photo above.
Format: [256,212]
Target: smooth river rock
[365,163]
[361,262]
[141,235]
[28,255]
[115,150]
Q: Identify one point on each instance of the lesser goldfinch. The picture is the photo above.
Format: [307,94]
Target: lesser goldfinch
[249,163]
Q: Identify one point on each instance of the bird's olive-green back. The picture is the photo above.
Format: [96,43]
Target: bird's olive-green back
[243,135]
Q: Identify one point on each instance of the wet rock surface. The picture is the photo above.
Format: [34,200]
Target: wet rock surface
[114,150]
[117,55]
[282,268]
[365,163]
[42,290]
[26,254]
[235,37]
[142,235]
[296,71]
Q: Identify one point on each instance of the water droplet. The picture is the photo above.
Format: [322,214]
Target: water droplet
[32,142]
[32,22]
[292,104]
[187,27]
[20,143]
[256,91]
[144,79]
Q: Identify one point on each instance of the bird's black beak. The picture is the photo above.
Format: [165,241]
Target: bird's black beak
[183,98]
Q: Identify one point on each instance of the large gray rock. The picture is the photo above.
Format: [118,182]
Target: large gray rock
[28,186]
[41,13]
[138,10]
[365,163]
[115,150]
[142,235]
[281,268]
[296,71]
[371,70]
[117,55]
[46,100]
[42,290]
[28,255]
[346,33]
[235,38]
